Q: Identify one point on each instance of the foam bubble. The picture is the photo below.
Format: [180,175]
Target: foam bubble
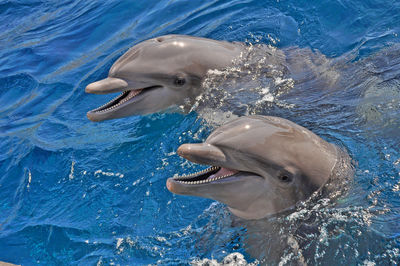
[232,259]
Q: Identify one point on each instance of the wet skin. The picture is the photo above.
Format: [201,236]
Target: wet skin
[260,166]
[159,73]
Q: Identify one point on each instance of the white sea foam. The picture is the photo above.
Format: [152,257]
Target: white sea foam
[71,173]
[29,178]
[232,259]
[103,173]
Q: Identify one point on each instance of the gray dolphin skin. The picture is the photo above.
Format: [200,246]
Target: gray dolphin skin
[6,264]
[260,166]
[158,73]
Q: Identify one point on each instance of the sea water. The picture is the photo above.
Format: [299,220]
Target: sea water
[83,193]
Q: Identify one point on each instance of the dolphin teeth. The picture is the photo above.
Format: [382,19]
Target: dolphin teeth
[185,176]
[120,99]
[104,105]
[185,179]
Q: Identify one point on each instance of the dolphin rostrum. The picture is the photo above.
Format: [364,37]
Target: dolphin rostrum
[260,166]
[158,73]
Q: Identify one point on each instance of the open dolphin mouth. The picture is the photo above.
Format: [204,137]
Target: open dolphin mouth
[125,97]
[209,175]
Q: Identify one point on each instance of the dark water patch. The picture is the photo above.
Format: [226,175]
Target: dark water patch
[26,103]
[59,249]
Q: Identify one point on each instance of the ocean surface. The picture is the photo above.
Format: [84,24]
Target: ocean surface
[74,192]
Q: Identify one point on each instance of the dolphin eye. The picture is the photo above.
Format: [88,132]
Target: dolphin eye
[179,81]
[285,178]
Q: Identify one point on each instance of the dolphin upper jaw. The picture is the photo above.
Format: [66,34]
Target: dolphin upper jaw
[203,153]
[106,86]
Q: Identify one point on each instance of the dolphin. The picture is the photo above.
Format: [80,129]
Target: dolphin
[6,264]
[259,166]
[161,72]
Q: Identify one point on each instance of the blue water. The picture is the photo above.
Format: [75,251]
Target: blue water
[77,192]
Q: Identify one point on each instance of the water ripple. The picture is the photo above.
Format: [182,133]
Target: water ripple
[77,192]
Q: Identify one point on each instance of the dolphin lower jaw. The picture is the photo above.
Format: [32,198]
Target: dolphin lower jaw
[117,101]
[125,98]
[202,153]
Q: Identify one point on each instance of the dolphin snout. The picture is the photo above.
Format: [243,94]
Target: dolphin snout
[202,153]
[107,85]
[93,117]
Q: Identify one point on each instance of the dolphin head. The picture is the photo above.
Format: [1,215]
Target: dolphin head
[260,166]
[159,73]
